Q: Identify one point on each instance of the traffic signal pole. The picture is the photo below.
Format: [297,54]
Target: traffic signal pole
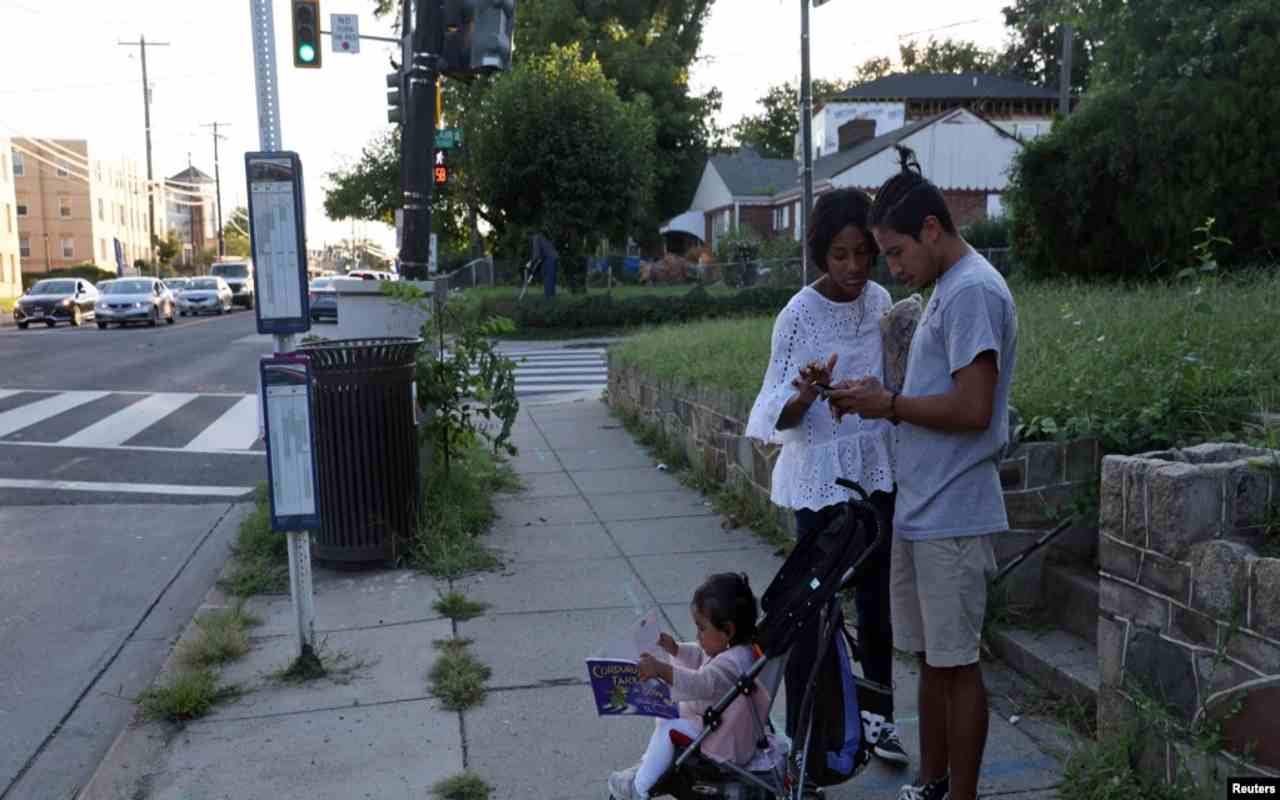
[417,140]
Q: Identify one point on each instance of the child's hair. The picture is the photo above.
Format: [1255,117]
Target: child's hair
[907,199]
[834,212]
[726,597]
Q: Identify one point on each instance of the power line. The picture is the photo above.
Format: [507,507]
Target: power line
[217,177]
[146,110]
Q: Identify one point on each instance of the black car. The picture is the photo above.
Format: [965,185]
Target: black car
[56,300]
[324,300]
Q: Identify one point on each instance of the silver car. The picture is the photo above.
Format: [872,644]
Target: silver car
[126,300]
[202,295]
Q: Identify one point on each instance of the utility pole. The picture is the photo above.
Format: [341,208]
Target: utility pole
[421,63]
[146,112]
[1064,74]
[217,179]
[806,142]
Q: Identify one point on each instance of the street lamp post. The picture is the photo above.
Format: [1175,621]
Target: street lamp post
[806,137]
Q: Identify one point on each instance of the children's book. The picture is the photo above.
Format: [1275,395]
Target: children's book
[615,675]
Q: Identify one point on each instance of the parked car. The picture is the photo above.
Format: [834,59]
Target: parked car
[56,300]
[126,300]
[324,300]
[239,276]
[205,295]
[176,285]
[371,275]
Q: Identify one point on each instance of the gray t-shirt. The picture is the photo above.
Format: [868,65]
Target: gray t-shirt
[949,483]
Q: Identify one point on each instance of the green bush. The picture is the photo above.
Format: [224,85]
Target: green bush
[88,272]
[988,233]
[1176,134]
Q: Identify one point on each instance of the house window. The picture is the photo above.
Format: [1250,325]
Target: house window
[19,165]
[101,217]
[22,209]
[62,169]
[64,207]
[8,217]
[796,231]
[4,167]
[102,245]
[24,247]
[68,248]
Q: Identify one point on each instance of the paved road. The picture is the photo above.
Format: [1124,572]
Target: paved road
[131,415]
[121,453]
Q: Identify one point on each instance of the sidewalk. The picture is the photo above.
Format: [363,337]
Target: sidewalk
[597,534]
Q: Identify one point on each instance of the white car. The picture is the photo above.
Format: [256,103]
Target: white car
[371,275]
[126,300]
[209,294]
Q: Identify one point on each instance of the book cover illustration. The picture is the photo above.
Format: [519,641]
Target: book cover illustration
[615,675]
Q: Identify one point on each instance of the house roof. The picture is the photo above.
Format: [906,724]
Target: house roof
[746,173]
[936,86]
[191,175]
[829,166]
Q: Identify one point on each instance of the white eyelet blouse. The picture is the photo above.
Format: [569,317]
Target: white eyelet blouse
[818,450]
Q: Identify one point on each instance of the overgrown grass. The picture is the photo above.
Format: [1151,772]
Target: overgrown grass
[458,607]
[260,556]
[457,511]
[463,786]
[221,636]
[320,663]
[186,696]
[1138,367]
[740,504]
[1107,769]
[456,678]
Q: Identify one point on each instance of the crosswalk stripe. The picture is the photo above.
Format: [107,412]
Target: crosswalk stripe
[237,429]
[27,415]
[8,393]
[126,423]
[133,488]
[536,388]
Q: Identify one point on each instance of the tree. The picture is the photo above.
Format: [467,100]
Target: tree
[1170,138]
[555,150]
[773,133]
[235,232]
[949,56]
[167,248]
[1033,52]
[872,69]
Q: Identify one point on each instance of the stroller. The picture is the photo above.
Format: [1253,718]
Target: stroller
[803,597]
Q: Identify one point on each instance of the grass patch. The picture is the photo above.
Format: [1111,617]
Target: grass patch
[1107,769]
[1138,367]
[221,636]
[319,664]
[186,696]
[457,678]
[740,504]
[458,608]
[260,556]
[1002,612]
[457,511]
[463,786]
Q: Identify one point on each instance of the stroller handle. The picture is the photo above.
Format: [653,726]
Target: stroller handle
[854,487]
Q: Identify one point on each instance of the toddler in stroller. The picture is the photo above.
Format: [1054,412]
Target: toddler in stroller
[695,756]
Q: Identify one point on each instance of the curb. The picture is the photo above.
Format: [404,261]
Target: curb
[127,765]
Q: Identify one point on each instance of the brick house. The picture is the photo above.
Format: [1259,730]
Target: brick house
[736,191]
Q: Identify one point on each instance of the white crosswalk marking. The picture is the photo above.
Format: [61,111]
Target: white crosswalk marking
[126,423]
[237,429]
[541,372]
[25,416]
[7,393]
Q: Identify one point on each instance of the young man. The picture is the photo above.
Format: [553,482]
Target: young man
[952,420]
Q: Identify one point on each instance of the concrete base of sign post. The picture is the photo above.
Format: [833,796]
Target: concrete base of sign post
[365,312]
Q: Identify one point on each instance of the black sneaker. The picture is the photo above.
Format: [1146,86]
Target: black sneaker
[888,746]
[933,790]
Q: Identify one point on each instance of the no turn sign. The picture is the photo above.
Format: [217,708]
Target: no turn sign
[344,30]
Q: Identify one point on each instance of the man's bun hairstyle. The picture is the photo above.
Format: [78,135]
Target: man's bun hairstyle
[907,199]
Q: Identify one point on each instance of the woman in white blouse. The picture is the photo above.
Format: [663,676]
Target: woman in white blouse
[830,331]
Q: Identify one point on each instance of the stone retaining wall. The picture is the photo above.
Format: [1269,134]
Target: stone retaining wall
[1040,479]
[1188,608]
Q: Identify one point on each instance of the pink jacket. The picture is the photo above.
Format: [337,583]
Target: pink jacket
[698,683]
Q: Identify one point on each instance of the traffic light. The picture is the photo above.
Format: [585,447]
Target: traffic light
[491,35]
[395,98]
[457,20]
[440,170]
[306,34]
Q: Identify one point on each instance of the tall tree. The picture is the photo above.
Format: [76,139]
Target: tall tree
[951,56]
[556,151]
[235,232]
[1033,51]
[772,133]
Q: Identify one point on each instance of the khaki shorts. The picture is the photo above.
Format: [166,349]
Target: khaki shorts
[938,597]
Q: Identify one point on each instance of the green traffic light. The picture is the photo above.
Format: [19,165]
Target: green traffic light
[306,53]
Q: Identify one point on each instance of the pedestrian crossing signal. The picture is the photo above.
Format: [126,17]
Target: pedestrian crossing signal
[441,170]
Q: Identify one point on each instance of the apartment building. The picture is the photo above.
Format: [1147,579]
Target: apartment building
[74,207]
[10,259]
[190,211]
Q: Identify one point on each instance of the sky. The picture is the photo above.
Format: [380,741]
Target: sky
[64,75]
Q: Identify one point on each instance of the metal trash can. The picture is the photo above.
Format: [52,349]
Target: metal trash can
[366,449]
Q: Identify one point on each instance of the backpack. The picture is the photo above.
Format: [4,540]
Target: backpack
[839,749]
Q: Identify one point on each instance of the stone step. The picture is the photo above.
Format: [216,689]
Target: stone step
[1058,662]
[1070,596]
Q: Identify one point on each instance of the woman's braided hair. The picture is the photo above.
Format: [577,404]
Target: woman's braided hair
[907,199]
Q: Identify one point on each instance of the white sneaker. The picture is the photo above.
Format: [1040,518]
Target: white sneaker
[622,785]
